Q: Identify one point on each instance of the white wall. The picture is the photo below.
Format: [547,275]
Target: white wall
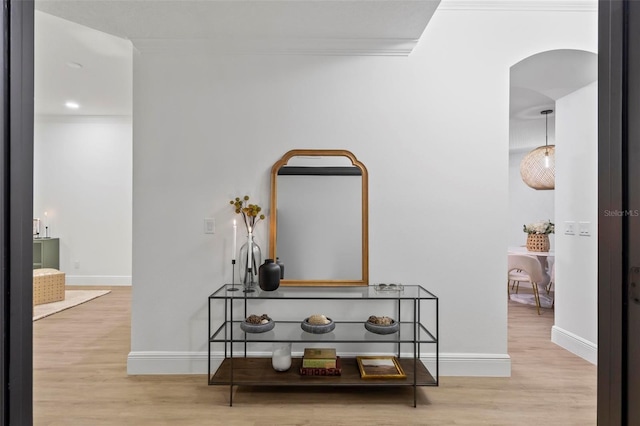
[83,180]
[576,326]
[432,129]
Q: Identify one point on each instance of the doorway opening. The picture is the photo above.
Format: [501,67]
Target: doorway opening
[564,81]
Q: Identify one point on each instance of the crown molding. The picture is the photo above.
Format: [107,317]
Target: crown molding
[520,5]
[323,46]
[79,118]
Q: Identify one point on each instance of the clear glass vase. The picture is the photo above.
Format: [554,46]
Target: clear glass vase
[281,358]
[249,270]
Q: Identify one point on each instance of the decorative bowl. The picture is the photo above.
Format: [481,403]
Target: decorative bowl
[382,329]
[388,287]
[257,328]
[317,328]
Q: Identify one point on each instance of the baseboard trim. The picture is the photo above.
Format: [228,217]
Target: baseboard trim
[471,365]
[575,344]
[164,362]
[97,280]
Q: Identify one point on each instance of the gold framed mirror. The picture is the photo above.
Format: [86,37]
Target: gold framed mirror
[319,221]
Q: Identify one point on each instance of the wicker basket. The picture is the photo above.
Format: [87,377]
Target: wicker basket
[538,242]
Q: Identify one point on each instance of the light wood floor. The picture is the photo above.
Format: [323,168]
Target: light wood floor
[80,379]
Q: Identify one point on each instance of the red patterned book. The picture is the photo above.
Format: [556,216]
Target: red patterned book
[312,371]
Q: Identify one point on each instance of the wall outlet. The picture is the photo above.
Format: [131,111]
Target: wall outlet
[76,264]
[569,228]
[209,225]
[585,229]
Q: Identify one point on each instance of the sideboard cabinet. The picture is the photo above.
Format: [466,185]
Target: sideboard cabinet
[46,253]
[238,368]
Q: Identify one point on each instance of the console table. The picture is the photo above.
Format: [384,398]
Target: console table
[237,368]
[46,253]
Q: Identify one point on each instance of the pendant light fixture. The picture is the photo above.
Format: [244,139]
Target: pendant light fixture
[538,168]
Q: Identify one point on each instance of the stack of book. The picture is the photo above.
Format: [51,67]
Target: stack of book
[320,362]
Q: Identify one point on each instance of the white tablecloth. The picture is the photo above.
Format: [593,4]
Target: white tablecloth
[523,250]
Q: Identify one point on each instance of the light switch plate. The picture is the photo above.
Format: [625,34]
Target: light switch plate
[209,225]
[585,229]
[569,228]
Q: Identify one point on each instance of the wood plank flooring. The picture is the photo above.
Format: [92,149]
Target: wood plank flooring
[80,379]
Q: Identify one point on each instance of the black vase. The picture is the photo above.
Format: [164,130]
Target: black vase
[281,265]
[269,275]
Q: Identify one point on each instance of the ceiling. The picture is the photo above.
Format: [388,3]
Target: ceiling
[214,19]
[536,83]
[539,80]
[101,36]
[79,64]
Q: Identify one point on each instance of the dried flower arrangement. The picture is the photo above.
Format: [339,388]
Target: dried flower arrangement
[250,212]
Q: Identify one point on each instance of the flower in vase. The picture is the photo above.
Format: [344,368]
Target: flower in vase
[250,212]
[540,228]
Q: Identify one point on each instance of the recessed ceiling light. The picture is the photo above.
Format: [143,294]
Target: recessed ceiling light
[74,65]
[72,105]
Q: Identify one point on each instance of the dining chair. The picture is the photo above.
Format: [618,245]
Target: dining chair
[552,283]
[525,269]
[515,276]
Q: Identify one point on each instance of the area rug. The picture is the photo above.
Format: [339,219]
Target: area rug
[71,298]
[528,299]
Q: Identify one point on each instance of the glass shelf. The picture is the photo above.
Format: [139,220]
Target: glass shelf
[345,332]
[409,292]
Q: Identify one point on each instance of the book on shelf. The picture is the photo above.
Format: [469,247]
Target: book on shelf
[319,362]
[319,358]
[319,353]
[312,371]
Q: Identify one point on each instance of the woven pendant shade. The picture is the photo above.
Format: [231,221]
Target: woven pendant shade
[538,168]
[533,170]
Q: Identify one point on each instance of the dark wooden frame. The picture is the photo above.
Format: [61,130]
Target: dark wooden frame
[16,199]
[631,229]
[609,198]
[619,64]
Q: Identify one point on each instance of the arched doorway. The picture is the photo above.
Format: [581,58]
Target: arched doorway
[563,81]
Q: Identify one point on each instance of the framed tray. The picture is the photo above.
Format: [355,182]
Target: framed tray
[380,367]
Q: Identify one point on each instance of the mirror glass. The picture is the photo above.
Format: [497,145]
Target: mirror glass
[319,218]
